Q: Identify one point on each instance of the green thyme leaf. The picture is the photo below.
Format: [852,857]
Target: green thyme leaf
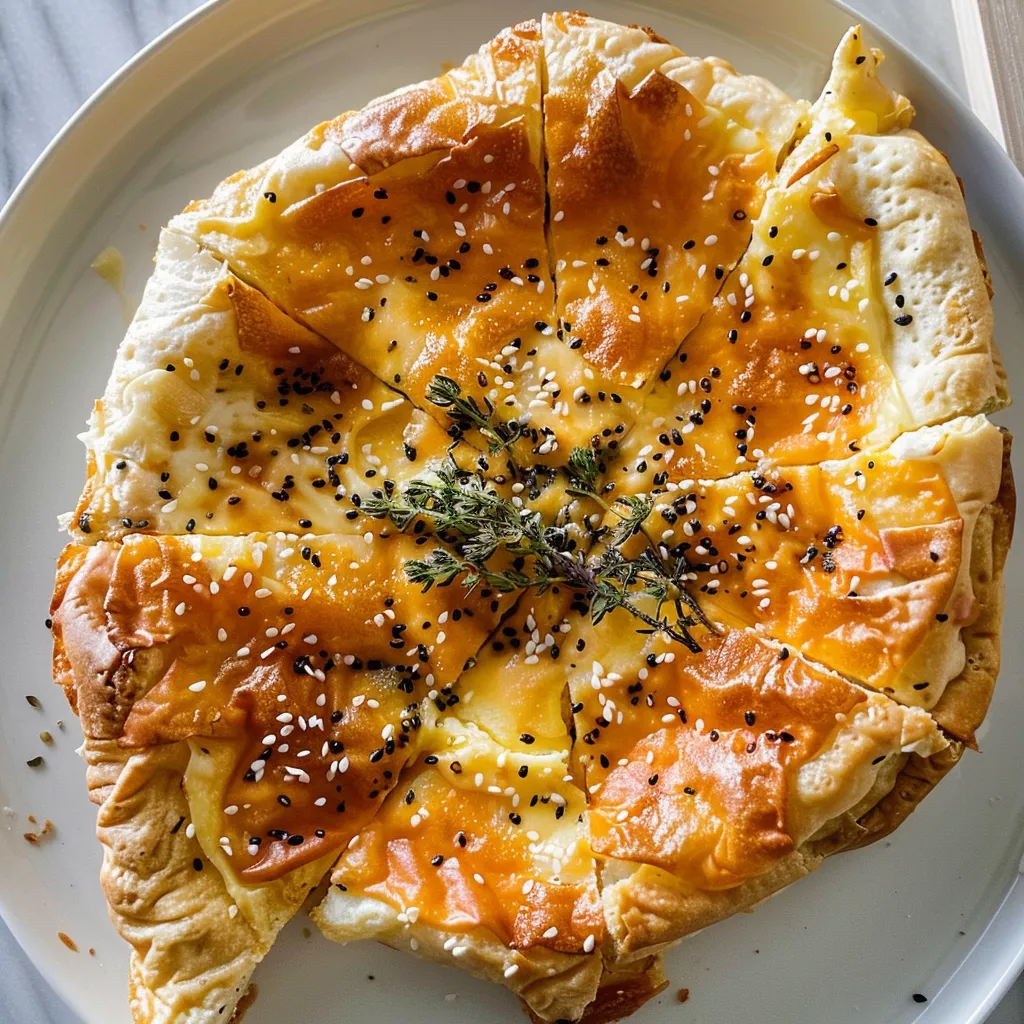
[492,540]
[583,469]
[467,415]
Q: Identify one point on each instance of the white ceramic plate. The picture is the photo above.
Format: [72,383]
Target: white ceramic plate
[939,909]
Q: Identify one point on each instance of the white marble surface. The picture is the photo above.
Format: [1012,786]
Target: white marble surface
[55,53]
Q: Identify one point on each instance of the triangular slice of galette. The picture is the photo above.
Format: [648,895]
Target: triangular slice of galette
[859,310]
[247,703]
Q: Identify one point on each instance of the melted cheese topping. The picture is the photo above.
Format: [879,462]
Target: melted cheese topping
[531,648]
[332,705]
[477,837]
[694,764]
[419,259]
[650,203]
[317,658]
[788,365]
[434,265]
[851,561]
[228,417]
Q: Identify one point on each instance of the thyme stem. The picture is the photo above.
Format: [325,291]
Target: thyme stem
[496,541]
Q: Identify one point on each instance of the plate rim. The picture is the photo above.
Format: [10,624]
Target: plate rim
[77,120]
[79,125]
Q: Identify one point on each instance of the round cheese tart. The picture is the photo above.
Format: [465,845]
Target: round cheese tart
[542,513]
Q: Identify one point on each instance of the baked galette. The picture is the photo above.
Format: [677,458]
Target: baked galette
[551,508]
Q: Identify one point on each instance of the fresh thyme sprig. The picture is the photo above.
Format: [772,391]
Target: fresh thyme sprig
[633,512]
[478,524]
[466,414]
[583,471]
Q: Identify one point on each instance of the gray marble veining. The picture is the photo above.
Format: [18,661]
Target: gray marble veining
[55,53]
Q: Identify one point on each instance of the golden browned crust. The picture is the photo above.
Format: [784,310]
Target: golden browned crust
[623,989]
[193,946]
[495,904]
[441,113]
[649,909]
[195,934]
[85,662]
[192,953]
[655,120]
[648,915]
[209,383]
[966,699]
[197,927]
[918,777]
[364,282]
[944,360]
[551,985]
